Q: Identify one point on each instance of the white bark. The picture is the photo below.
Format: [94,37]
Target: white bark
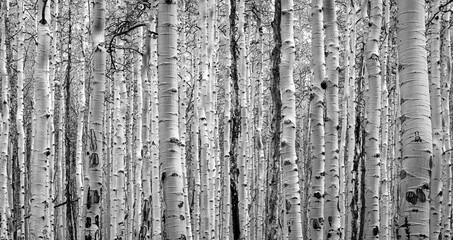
[416,133]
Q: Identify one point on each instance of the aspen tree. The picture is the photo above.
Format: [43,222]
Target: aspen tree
[54,124]
[155,182]
[416,131]
[288,140]
[130,157]
[138,138]
[227,129]
[211,117]
[169,154]
[317,124]
[68,189]
[242,139]
[5,125]
[272,225]
[235,123]
[81,117]
[259,131]
[445,96]
[183,126]
[39,218]
[373,108]
[344,124]
[350,76]
[146,170]
[95,132]
[20,119]
[203,108]
[195,152]
[120,108]
[436,119]
[384,228]
[331,212]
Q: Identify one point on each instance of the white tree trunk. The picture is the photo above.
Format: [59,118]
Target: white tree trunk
[373,114]
[435,193]
[293,218]
[416,133]
[317,124]
[95,127]
[331,211]
[169,142]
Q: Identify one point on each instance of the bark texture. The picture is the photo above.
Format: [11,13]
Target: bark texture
[416,133]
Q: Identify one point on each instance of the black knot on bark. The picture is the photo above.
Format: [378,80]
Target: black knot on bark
[411,197]
[375,231]
[316,224]
[317,195]
[421,195]
[324,85]
[288,205]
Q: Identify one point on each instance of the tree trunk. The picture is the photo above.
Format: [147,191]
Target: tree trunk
[350,76]
[95,126]
[20,121]
[446,156]
[416,134]
[226,211]
[384,228]
[373,108]
[272,224]
[435,193]
[5,124]
[293,218]
[317,124]
[331,211]
[39,218]
[169,142]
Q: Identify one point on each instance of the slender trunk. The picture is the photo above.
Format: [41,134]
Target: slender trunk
[259,134]
[416,132]
[317,124]
[445,96]
[169,142]
[384,227]
[206,220]
[138,35]
[272,227]
[118,184]
[183,126]
[5,125]
[155,181]
[350,77]
[20,121]
[39,218]
[242,136]
[196,160]
[227,131]
[95,126]
[81,121]
[331,211]
[145,229]
[235,124]
[293,218]
[435,193]
[373,108]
